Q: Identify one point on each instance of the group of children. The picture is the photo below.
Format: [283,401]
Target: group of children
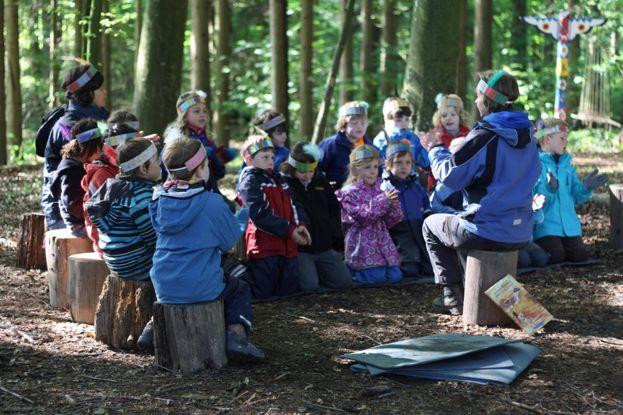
[298,210]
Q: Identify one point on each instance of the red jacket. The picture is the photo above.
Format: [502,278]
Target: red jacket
[272,214]
[446,139]
[98,172]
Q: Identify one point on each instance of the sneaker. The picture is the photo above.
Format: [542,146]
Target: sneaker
[240,349]
[450,302]
[146,339]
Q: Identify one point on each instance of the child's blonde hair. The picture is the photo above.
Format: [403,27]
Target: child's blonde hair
[248,150]
[548,126]
[344,116]
[395,107]
[182,107]
[453,101]
[177,153]
[359,157]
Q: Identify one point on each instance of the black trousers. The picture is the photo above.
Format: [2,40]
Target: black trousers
[563,249]
[447,243]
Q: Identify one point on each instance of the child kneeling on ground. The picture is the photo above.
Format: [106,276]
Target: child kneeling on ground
[194,226]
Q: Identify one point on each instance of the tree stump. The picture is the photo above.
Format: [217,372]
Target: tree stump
[59,245]
[124,308]
[240,249]
[484,269]
[616,216]
[87,273]
[190,337]
[30,252]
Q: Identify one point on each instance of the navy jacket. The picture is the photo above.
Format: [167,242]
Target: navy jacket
[335,157]
[66,188]
[496,169]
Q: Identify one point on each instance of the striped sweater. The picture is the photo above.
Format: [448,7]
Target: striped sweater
[120,212]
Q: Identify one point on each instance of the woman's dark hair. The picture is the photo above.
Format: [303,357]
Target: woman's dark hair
[130,149]
[73,149]
[507,84]
[121,117]
[118,129]
[84,95]
[298,153]
[267,116]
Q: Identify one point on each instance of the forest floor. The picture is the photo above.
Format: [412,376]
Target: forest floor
[52,365]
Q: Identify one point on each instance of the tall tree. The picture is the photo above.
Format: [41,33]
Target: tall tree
[519,32]
[221,68]
[93,52]
[138,10]
[483,56]
[461,71]
[305,79]
[433,54]
[159,64]
[346,62]
[279,55]
[54,64]
[107,53]
[3,141]
[14,92]
[368,26]
[78,29]
[200,48]
[389,49]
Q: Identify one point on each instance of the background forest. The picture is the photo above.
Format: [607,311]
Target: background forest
[253,54]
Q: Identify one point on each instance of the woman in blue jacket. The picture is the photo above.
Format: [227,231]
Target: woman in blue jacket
[496,169]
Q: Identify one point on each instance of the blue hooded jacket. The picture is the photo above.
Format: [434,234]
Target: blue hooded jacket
[194,226]
[559,215]
[496,169]
[335,157]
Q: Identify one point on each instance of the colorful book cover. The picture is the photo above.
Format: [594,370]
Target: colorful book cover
[519,304]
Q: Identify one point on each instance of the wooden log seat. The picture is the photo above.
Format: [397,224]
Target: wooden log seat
[87,274]
[30,251]
[616,215]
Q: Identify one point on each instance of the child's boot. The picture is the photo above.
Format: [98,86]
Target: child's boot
[451,301]
[240,349]
[146,339]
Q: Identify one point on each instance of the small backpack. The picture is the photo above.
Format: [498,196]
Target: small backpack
[47,122]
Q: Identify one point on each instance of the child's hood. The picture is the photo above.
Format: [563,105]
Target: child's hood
[548,159]
[513,126]
[112,191]
[175,209]
[65,167]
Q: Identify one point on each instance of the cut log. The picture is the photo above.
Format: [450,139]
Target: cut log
[616,216]
[87,274]
[483,269]
[59,245]
[190,337]
[123,310]
[240,249]
[30,252]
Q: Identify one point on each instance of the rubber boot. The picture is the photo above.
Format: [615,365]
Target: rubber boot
[240,349]
[451,301]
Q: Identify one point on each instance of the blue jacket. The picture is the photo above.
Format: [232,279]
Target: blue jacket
[560,218]
[444,200]
[496,169]
[335,157]
[66,189]
[412,196]
[194,226]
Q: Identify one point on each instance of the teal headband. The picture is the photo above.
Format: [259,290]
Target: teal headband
[255,147]
[363,153]
[488,90]
[299,165]
[398,147]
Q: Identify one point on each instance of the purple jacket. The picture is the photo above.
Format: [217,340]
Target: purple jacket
[367,215]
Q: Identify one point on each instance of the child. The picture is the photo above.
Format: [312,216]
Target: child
[192,119]
[119,210]
[397,119]
[274,228]
[560,233]
[86,95]
[194,227]
[85,146]
[351,129]
[367,215]
[121,117]
[407,235]
[319,264]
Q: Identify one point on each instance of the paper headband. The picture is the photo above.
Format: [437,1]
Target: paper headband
[89,135]
[194,100]
[363,153]
[139,160]
[193,162]
[255,147]
[361,109]
[83,80]
[398,147]
[446,101]
[117,140]
[550,130]
[273,122]
[486,88]
[299,165]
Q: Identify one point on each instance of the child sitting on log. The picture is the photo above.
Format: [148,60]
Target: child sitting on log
[85,146]
[560,233]
[275,228]
[407,234]
[194,227]
[367,215]
[319,264]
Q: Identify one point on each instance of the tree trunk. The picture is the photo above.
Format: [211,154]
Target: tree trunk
[87,274]
[79,6]
[368,78]
[346,63]
[279,55]
[159,64]
[389,49]
[519,33]
[321,118]
[4,159]
[85,17]
[306,95]
[433,54]
[94,34]
[573,91]
[14,92]
[138,22]
[200,48]
[482,35]
[221,67]
[616,215]
[30,252]
[461,71]
[107,57]
[54,66]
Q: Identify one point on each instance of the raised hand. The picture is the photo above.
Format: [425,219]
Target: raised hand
[594,179]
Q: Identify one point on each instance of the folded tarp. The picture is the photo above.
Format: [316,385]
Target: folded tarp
[459,357]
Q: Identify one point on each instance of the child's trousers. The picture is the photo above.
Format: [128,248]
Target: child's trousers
[378,275]
[532,255]
[237,300]
[563,249]
[274,276]
[326,269]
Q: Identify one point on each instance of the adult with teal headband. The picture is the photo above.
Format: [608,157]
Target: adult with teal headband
[495,169]
[86,95]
